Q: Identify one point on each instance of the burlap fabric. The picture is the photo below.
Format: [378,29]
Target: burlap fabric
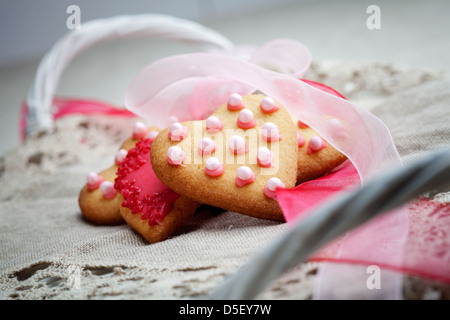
[48,251]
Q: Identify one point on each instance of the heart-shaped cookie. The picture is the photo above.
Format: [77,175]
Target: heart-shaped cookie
[235,159]
[146,204]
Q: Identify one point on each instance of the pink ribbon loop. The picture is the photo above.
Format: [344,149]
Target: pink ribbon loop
[192,86]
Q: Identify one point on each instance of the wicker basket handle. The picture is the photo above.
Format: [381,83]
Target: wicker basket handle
[42,91]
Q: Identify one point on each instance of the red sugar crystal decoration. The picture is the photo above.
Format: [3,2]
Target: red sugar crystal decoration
[142,191]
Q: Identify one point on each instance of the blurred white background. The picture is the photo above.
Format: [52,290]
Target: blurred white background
[413,33]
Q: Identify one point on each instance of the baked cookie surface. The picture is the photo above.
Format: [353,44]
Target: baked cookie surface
[147,205]
[316,157]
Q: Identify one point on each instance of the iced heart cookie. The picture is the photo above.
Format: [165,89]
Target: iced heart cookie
[146,204]
[97,199]
[235,159]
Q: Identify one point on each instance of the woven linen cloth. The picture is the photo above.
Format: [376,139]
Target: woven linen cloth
[48,251]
